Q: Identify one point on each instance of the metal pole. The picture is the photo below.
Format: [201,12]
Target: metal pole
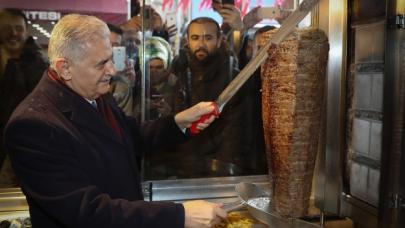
[143,78]
[322,219]
[128,9]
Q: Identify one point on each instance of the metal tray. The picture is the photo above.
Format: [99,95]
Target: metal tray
[258,202]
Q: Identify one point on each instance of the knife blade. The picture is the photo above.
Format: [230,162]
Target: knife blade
[286,28]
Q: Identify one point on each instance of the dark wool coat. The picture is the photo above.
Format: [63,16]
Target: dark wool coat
[75,170]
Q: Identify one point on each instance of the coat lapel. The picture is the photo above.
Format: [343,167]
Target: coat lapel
[77,109]
[84,116]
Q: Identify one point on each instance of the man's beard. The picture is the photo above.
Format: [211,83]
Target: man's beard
[208,59]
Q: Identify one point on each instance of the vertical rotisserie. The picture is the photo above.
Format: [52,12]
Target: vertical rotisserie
[293,80]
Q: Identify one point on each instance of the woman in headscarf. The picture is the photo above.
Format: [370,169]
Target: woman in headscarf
[158,56]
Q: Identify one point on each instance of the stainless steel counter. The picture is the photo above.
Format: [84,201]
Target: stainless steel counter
[220,189]
[217,189]
[12,199]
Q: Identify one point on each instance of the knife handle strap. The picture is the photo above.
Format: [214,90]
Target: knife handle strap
[193,129]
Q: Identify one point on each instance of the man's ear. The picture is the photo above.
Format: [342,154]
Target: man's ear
[186,43]
[62,67]
[219,41]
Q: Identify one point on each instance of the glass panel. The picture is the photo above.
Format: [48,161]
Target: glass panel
[153,38]
[233,145]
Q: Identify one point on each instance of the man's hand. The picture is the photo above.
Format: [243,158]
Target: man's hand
[129,71]
[200,213]
[284,13]
[171,30]
[251,18]
[231,15]
[185,118]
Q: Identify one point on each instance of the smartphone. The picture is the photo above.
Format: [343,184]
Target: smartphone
[228,2]
[119,57]
[171,19]
[268,12]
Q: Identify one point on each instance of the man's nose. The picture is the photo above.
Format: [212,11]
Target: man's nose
[202,42]
[111,68]
[13,31]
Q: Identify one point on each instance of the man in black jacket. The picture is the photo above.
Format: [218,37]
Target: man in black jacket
[21,67]
[230,146]
[76,154]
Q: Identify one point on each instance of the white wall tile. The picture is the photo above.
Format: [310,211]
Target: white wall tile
[358,181]
[362,91]
[377,92]
[373,186]
[375,140]
[361,136]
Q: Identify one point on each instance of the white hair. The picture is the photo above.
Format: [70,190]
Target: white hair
[72,34]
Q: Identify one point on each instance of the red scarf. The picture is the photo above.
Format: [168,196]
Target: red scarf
[103,108]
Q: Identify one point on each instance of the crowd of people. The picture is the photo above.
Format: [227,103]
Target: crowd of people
[73,139]
[209,58]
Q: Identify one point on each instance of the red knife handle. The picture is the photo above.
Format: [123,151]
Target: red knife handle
[193,129]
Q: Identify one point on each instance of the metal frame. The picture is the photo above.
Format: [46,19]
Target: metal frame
[328,185]
[392,188]
[330,193]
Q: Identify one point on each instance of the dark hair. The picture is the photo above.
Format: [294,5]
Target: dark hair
[135,8]
[115,29]
[264,29]
[205,20]
[16,13]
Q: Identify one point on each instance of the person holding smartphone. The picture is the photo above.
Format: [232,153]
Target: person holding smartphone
[122,86]
[162,81]
[230,15]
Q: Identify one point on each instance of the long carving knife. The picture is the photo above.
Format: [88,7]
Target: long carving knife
[286,28]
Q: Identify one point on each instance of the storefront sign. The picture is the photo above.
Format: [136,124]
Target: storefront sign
[43,15]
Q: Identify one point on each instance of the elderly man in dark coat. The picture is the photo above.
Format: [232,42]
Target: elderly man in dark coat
[75,153]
